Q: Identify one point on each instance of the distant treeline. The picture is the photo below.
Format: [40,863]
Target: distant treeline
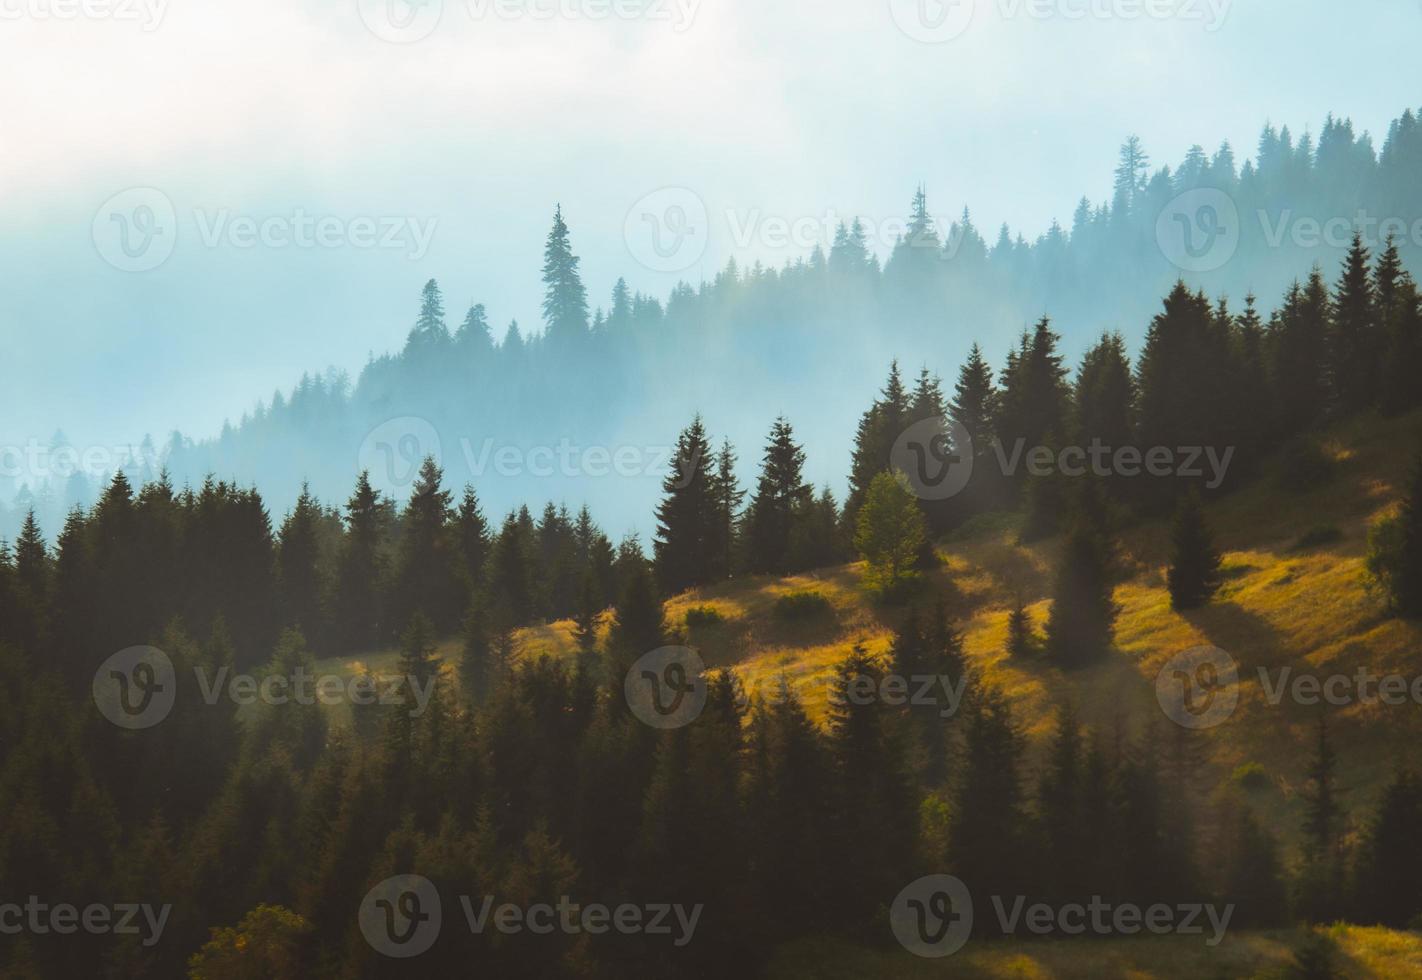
[611,376]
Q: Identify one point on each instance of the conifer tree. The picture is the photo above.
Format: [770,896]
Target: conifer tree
[565,300]
[1390,865]
[426,576]
[1194,574]
[360,570]
[727,497]
[1083,614]
[1320,885]
[1298,339]
[779,496]
[471,530]
[32,563]
[974,404]
[876,809]
[429,333]
[879,427]
[299,566]
[1021,640]
[687,523]
[1355,345]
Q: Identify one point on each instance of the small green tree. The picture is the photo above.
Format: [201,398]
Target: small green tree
[1194,574]
[1021,640]
[890,530]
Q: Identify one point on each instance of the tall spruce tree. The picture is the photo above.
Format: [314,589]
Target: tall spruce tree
[1355,345]
[727,497]
[1083,615]
[565,300]
[299,570]
[427,573]
[360,569]
[779,497]
[685,547]
[1194,574]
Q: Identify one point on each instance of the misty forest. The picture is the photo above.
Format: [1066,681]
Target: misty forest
[975,605]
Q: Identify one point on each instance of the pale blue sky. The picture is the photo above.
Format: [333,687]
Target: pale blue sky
[797,109]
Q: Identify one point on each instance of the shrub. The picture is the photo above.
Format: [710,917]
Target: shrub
[802,605]
[1251,775]
[703,616]
[1317,536]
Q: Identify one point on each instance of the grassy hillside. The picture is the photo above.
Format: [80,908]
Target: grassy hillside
[1281,605]
[1360,953]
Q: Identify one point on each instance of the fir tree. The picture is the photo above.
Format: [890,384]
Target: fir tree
[565,300]
[779,495]
[1081,622]
[687,523]
[1194,574]
[1355,345]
